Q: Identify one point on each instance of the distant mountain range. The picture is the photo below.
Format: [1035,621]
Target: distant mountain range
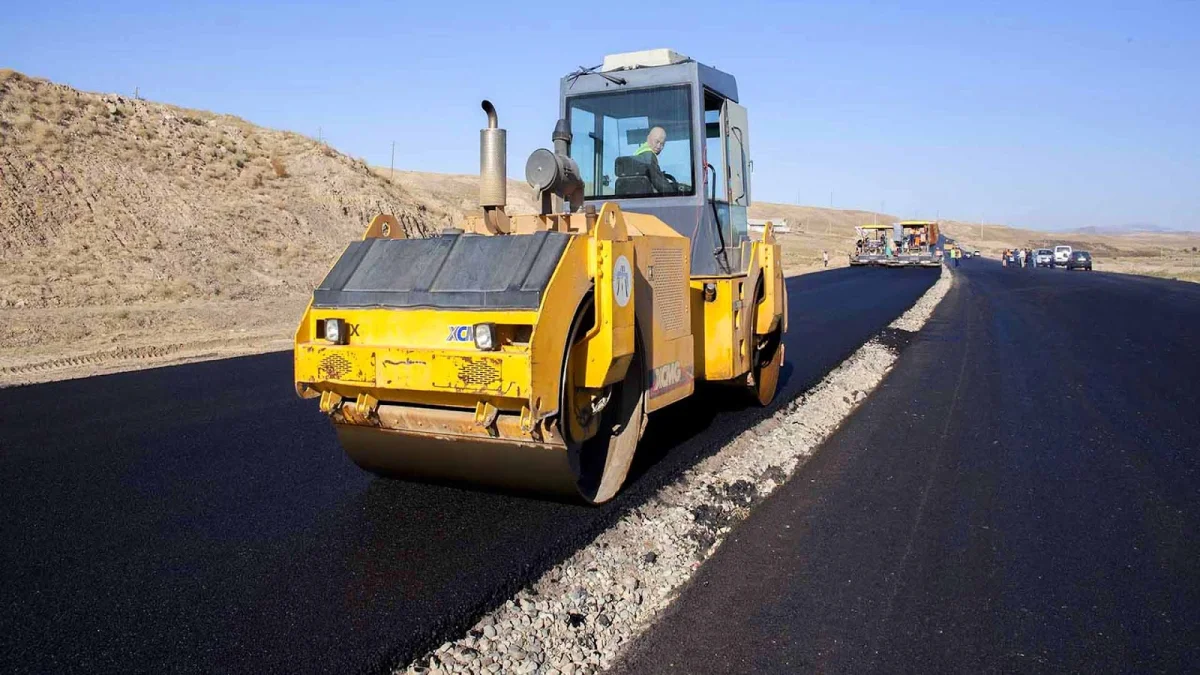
[1132,228]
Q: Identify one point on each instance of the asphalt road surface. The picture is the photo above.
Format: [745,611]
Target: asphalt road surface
[1021,494]
[201,518]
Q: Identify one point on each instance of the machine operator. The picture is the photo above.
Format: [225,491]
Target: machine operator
[648,153]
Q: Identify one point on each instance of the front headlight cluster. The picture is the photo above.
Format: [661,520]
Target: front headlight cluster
[485,337]
[335,331]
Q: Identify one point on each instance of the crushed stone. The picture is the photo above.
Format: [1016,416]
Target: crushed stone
[580,615]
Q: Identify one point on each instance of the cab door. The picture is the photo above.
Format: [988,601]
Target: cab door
[735,128]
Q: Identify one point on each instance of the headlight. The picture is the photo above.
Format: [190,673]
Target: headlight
[335,330]
[485,336]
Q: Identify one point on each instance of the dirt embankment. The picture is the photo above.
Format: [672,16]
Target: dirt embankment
[133,231]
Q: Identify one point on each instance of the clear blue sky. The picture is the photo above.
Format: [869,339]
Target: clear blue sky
[1041,114]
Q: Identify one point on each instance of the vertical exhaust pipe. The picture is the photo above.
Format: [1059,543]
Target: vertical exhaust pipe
[493,171]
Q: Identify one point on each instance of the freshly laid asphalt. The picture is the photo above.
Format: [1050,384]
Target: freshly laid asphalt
[201,518]
[1021,494]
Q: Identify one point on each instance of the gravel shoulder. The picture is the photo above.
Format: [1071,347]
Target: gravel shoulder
[583,613]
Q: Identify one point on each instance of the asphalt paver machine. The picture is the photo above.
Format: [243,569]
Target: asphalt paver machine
[916,244]
[874,245]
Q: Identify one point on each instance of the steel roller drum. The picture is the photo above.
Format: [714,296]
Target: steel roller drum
[509,464]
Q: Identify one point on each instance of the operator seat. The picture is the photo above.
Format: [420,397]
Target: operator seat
[633,177]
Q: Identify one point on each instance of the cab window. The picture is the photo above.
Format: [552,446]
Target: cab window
[713,155]
[633,143]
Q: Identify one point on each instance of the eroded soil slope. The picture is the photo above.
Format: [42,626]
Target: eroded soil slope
[131,229]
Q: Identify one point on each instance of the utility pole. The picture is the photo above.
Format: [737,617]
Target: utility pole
[829,215]
[320,139]
[392,164]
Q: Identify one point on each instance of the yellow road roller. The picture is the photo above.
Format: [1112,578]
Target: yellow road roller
[527,351]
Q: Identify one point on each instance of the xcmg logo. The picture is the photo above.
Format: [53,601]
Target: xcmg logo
[667,377]
[459,334]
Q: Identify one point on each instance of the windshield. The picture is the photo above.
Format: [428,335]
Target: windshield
[1044,251]
[633,143]
[1062,249]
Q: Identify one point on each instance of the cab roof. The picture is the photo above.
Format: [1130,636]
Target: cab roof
[653,68]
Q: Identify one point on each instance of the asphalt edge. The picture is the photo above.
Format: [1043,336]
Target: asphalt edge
[581,615]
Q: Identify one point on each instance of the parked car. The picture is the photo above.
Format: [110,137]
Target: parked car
[1043,257]
[1062,254]
[1080,260]
[976,254]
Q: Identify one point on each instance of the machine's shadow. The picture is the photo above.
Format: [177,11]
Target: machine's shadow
[675,427]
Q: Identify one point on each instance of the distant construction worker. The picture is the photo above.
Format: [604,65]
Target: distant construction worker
[1004,258]
[956,253]
[1021,256]
[825,257]
[648,153]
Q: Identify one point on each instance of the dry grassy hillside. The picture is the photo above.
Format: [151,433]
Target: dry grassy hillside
[105,199]
[133,230]
[458,192]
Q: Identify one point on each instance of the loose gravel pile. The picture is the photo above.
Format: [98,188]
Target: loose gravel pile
[580,615]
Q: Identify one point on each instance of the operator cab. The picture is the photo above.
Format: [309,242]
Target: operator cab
[662,134]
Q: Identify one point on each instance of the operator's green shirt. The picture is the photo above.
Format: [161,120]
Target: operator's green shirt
[644,147]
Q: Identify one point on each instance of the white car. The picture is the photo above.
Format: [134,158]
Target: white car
[1044,257]
[1062,254]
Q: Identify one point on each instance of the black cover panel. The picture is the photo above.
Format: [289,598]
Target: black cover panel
[450,272]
